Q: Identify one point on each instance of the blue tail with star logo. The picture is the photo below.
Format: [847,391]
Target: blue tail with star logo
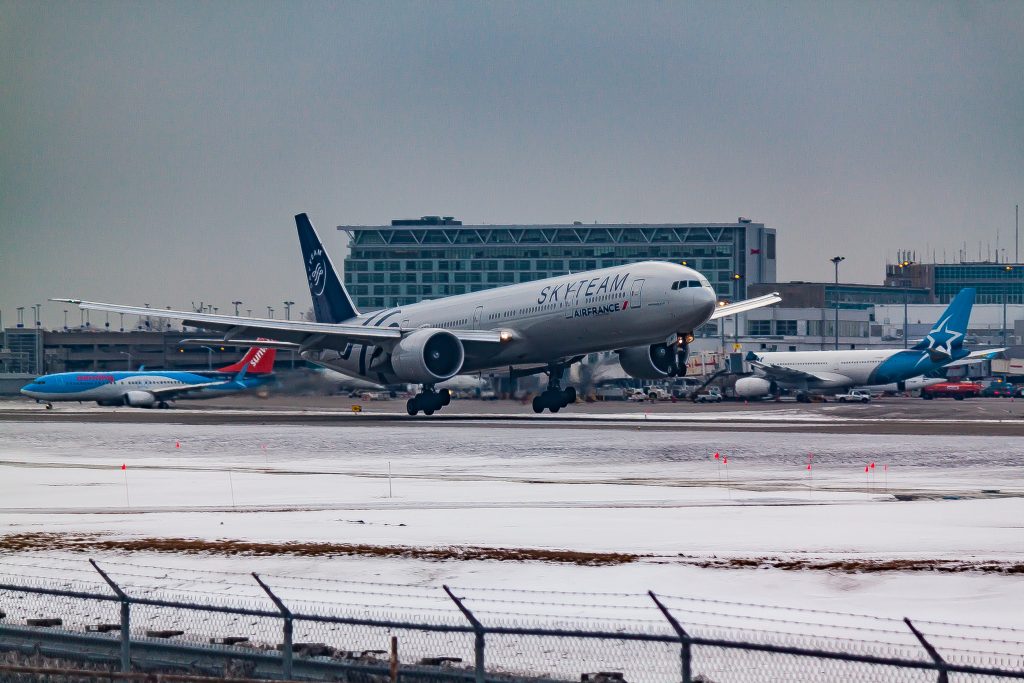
[947,336]
[331,302]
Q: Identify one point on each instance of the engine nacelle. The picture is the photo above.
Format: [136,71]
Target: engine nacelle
[427,356]
[139,399]
[753,387]
[656,361]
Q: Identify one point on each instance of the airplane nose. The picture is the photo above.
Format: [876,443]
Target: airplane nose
[707,302]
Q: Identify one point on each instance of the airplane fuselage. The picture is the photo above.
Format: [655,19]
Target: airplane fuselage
[847,368]
[111,387]
[559,317]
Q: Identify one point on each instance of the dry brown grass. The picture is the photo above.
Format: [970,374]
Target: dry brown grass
[192,546]
[858,565]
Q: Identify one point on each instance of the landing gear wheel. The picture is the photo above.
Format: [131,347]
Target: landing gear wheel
[570,396]
[428,411]
[538,404]
[49,406]
[162,405]
[445,396]
[412,406]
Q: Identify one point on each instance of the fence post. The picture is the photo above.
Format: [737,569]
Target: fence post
[126,619]
[685,653]
[932,652]
[478,629]
[286,614]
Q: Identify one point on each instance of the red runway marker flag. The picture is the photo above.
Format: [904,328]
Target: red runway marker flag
[123,466]
[716,456]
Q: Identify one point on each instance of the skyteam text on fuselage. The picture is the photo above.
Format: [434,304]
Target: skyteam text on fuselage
[154,388]
[645,311]
[807,372]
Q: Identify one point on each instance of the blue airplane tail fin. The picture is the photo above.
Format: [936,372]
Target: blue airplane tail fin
[241,373]
[331,303]
[947,335]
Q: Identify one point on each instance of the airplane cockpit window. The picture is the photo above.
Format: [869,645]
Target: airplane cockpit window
[692,283]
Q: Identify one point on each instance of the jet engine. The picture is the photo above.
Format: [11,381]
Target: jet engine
[427,356]
[753,387]
[139,399]
[656,361]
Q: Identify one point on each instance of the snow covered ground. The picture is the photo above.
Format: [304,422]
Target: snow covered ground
[660,495]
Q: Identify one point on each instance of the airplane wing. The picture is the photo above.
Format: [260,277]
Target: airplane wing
[784,374]
[976,357]
[305,334]
[746,305]
[170,392]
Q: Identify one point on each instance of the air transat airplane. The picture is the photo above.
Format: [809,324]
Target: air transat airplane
[154,388]
[808,372]
[646,311]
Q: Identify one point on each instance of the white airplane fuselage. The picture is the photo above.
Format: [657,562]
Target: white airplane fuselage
[559,317]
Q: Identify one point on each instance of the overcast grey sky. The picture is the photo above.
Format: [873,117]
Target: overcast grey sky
[157,151]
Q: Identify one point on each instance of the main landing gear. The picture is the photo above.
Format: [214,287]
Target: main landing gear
[554,398]
[428,401]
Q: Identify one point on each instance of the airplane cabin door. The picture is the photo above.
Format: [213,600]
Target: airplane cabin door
[477,315]
[636,295]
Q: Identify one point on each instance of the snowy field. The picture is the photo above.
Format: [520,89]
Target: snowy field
[952,506]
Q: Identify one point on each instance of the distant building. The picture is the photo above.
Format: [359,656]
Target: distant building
[850,296]
[434,256]
[994,281]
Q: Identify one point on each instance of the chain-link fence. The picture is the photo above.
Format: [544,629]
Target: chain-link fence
[126,618]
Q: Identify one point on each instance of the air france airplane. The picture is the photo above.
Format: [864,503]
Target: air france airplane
[153,388]
[645,311]
[808,372]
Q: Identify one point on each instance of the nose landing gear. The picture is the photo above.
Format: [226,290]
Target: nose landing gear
[428,401]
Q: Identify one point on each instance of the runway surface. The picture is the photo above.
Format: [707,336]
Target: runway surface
[503,499]
[1001,417]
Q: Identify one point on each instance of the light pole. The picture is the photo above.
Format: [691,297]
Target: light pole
[906,317]
[1006,293]
[129,354]
[270,312]
[209,357]
[21,316]
[248,312]
[236,305]
[122,321]
[288,309]
[65,320]
[836,260]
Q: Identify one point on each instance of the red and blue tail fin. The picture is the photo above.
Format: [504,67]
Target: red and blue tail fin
[257,360]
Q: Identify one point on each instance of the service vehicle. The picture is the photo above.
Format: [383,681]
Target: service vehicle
[956,390]
[854,396]
[712,395]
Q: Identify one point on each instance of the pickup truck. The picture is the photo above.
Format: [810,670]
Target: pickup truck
[713,395]
[854,396]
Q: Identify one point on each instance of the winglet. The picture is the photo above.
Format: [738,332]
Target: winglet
[241,373]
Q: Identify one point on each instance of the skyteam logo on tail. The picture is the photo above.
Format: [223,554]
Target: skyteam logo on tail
[316,271]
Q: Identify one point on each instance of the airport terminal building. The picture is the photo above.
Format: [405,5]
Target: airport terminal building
[434,256]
